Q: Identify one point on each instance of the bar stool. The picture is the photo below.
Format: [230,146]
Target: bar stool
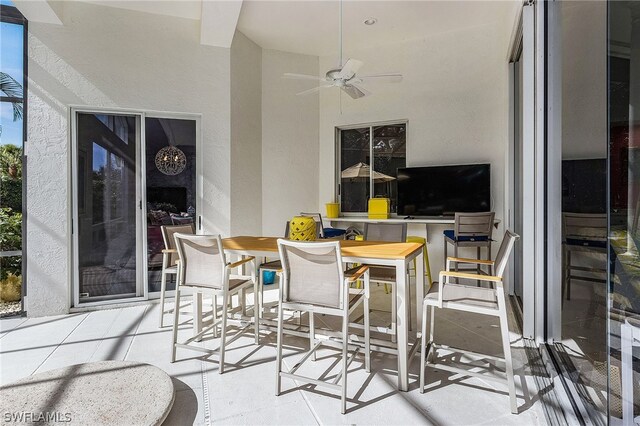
[388,232]
[313,281]
[470,230]
[170,259]
[584,233]
[479,300]
[204,268]
[425,252]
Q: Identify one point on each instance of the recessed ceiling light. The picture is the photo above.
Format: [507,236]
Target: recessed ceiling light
[370,21]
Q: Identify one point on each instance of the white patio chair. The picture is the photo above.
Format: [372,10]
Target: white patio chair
[313,281]
[170,260]
[387,232]
[479,300]
[470,230]
[203,268]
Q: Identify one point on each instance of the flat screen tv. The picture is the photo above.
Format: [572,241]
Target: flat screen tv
[444,190]
[584,186]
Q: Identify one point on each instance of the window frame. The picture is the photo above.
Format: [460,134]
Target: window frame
[11,15]
[338,157]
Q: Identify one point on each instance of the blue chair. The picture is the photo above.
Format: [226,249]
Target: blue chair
[470,230]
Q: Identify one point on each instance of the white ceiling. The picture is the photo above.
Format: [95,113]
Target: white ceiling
[190,9]
[311,27]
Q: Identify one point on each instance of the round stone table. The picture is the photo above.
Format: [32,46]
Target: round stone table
[96,393]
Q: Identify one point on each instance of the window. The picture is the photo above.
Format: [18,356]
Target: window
[12,134]
[386,145]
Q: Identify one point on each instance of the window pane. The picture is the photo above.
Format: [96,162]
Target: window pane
[7,3]
[11,52]
[171,198]
[389,154]
[107,210]
[10,124]
[624,215]
[354,167]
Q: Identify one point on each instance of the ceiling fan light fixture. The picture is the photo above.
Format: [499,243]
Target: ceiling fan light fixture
[370,21]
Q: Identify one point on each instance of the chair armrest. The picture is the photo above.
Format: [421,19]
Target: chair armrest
[357,274]
[240,262]
[166,251]
[466,260]
[453,274]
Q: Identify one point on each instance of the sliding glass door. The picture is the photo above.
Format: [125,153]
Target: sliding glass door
[107,210]
[171,196]
[132,174]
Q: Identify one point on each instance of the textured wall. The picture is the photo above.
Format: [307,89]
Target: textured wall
[109,57]
[246,136]
[454,95]
[289,140]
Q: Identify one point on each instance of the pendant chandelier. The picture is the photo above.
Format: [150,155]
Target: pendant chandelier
[171,160]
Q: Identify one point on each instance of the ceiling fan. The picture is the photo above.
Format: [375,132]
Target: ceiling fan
[345,76]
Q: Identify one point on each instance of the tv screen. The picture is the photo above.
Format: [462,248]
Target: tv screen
[444,190]
[584,186]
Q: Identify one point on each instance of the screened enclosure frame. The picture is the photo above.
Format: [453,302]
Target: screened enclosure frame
[11,15]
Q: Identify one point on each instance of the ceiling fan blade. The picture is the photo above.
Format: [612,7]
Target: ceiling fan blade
[349,69]
[382,78]
[294,76]
[313,90]
[354,91]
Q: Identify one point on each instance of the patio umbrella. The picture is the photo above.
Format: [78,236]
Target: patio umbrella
[362,171]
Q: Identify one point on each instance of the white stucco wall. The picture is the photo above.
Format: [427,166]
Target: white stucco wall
[109,57]
[454,95]
[246,136]
[289,140]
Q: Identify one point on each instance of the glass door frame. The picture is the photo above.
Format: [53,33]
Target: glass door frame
[141,197]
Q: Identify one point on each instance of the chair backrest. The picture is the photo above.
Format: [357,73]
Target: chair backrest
[168,231]
[474,224]
[585,226]
[391,232]
[506,247]
[202,260]
[312,272]
[319,225]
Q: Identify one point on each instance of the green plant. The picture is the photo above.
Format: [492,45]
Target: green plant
[10,161]
[10,240]
[11,288]
[11,193]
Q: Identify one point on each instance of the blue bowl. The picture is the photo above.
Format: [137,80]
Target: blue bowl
[268,277]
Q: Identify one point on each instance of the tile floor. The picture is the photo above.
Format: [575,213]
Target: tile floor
[245,394]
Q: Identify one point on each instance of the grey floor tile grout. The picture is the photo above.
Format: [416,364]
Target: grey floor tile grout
[304,397]
[105,333]
[4,333]
[60,344]
[135,332]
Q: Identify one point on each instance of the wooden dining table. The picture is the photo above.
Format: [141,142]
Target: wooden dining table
[397,255]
